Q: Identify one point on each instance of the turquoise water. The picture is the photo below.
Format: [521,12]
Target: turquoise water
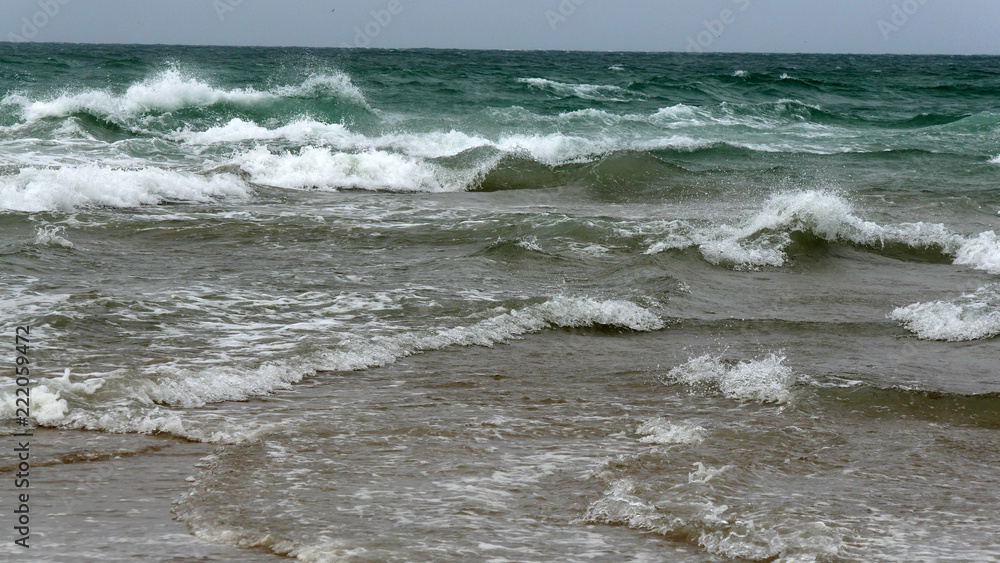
[452,305]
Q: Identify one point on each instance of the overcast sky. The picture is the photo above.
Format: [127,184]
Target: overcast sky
[814,26]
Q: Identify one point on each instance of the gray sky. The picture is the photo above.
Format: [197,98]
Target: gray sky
[815,26]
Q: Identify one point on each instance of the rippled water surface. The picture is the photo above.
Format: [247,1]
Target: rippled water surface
[491,306]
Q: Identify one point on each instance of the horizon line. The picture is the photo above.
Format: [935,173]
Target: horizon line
[628,51]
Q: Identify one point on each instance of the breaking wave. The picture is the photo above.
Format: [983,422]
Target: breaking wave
[594,92]
[766,380]
[172,90]
[69,188]
[763,238]
[187,388]
[973,316]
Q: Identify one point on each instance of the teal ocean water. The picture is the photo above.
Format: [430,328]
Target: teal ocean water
[515,306]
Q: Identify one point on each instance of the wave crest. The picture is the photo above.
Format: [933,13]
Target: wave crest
[970,317]
[171,90]
[766,380]
[593,92]
[188,388]
[69,188]
[762,239]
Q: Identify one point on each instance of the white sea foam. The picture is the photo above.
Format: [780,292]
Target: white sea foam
[765,380]
[551,149]
[47,407]
[398,163]
[761,239]
[680,114]
[337,136]
[322,552]
[764,251]
[970,317]
[172,90]
[196,386]
[65,189]
[330,85]
[687,510]
[703,474]
[661,432]
[349,148]
[314,167]
[556,149]
[596,92]
[238,130]
[620,505]
[435,144]
[981,253]
[995,160]
[700,520]
[78,388]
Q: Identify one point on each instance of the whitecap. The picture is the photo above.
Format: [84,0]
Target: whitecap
[762,238]
[766,380]
[314,167]
[184,388]
[51,235]
[47,407]
[594,92]
[172,90]
[69,188]
[972,316]
[661,432]
[981,252]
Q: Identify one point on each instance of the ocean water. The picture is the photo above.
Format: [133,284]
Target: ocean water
[506,306]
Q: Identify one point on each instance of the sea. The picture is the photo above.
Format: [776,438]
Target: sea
[443,305]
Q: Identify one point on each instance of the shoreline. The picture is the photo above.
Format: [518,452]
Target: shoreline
[114,503]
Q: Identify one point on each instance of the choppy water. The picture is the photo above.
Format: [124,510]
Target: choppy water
[485,306]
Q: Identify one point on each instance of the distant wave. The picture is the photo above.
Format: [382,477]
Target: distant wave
[594,92]
[172,90]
